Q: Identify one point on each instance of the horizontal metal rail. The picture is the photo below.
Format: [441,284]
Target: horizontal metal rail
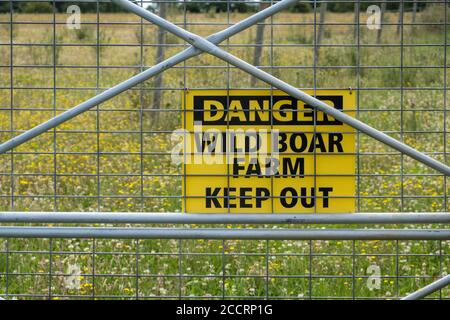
[429,289]
[207,46]
[223,233]
[203,218]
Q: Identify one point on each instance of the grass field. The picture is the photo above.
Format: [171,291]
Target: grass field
[407,103]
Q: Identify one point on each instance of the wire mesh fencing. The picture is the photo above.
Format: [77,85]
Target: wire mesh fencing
[117,156]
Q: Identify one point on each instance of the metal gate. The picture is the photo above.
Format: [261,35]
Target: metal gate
[110,164]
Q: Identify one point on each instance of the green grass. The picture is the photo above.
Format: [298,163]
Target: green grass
[29,263]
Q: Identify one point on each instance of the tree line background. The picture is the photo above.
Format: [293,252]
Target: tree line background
[196,6]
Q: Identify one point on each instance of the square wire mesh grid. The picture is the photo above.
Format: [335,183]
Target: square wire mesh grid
[116,157]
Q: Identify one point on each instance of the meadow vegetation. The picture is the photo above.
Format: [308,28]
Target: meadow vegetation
[116,157]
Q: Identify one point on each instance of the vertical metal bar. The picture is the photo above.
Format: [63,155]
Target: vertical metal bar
[323,9]
[184,111]
[185,85]
[445,209]
[267,271]
[397,270]
[315,56]
[271,62]
[228,85]
[355,20]
[357,34]
[97,107]
[402,162]
[141,113]
[55,203]
[223,269]
[446,13]
[271,56]
[358,105]
[441,269]
[310,278]
[98,149]
[353,270]
[11,97]
[7,266]
[137,272]
[11,128]
[93,255]
[50,268]
[180,268]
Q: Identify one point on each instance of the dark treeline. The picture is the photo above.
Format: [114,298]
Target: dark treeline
[61,7]
[197,6]
[304,6]
[390,5]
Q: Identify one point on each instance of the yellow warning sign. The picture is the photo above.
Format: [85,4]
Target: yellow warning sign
[261,151]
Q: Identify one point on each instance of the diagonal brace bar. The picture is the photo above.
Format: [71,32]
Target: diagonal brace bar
[209,47]
[145,75]
[429,289]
